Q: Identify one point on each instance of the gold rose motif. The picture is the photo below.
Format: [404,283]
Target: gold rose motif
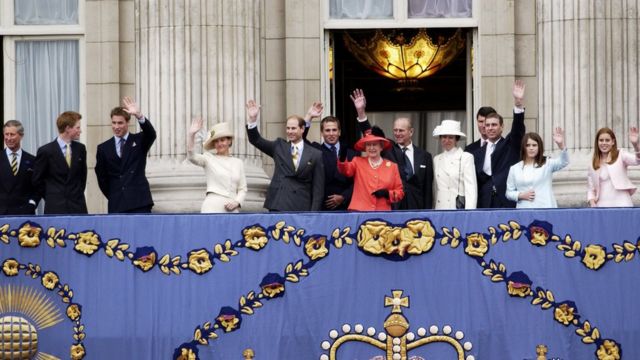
[10,267]
[199,261]
[29,236]
[608,351]
[272,290]
[370,236]
[228,322]
[316,247]
[421,234]
[255,237]
[393,243]
[594,256]
[186,354]
[564,314]
[50,280]
[518,289]
[539,236]
[73,312]
[87,242]
[77,352]
[477,245]
[145,262]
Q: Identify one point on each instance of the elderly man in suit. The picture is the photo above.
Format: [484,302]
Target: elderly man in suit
[298,176]
[17,194]
[498,154]
[337,187]
[121,162]
[60,170]
[414,163]
[481,115]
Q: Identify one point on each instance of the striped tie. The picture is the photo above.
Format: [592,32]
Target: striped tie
[67,154]
[14,163]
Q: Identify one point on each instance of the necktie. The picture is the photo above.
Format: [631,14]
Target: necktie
[121,147]
[408,168]
[486,167]
[67,154]
[294,156]
[334,151]
[14,163]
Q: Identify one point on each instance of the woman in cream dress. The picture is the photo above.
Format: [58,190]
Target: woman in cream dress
[226,182]
[454,169]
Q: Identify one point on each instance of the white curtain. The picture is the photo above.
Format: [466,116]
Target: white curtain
[439,8]
[361,9]
[47,83]
[46,12]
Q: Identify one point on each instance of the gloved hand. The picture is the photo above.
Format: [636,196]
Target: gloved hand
[342,155]
[381,193]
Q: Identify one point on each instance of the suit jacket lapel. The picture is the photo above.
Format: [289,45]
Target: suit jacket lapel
[302,162]
[8,180]
[418,158]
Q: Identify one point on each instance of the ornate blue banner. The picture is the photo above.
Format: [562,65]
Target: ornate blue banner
[398,285]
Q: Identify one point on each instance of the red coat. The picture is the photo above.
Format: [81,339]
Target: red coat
[367,180]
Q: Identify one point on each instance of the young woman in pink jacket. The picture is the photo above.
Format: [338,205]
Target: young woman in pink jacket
[609,184]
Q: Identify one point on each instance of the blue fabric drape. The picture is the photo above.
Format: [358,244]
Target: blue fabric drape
[129,313]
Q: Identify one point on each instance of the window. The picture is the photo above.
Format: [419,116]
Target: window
[384,9]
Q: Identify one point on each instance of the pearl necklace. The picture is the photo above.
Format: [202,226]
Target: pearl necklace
[376,165]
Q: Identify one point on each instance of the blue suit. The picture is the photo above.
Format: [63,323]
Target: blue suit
[122,180]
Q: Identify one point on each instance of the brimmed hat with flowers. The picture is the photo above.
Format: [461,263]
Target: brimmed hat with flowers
[219,130]
[375,134]
[448,127]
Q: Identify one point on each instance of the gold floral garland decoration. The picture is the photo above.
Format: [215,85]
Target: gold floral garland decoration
[50,281]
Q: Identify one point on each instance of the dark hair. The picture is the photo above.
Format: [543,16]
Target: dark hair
[495,115]
[540,159]
[301,122]
[67,119]
[597,157]
[16,124]
[119,110]
[329,119]
[484,111]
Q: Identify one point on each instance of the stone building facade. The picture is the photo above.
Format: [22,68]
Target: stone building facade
[179,59]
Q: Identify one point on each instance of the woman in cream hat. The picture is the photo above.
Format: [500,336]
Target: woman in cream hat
[226,183]
[454,170]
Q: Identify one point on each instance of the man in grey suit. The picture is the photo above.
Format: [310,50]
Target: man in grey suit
[298,176]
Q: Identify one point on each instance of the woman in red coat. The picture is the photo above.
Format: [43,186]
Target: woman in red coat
[376,181]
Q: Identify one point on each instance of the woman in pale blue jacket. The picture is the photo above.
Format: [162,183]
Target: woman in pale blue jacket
[529,181]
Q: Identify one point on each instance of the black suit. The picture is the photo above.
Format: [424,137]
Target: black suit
[473,147]
[61,187]
[122,180]
[291,189]
[17,190]
[334,182]
[418,189]
[492,189]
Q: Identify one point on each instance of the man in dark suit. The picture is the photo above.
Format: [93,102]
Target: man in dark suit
[121,162]
[414,163]
[481,115]
[498,154]
[60,170]
[337,187]
[17,194]
[298,175]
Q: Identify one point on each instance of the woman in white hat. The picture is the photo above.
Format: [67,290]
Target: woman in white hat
[376,181]
[226,183]
[455,173]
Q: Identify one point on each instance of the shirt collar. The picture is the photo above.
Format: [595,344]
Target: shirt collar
[9,151]
[61,142]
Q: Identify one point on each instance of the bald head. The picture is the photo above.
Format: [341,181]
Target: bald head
[403,131]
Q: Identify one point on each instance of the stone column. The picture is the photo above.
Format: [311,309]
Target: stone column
[196,58]
[588,79]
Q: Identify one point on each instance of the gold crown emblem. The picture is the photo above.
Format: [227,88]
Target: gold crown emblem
[395,341]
